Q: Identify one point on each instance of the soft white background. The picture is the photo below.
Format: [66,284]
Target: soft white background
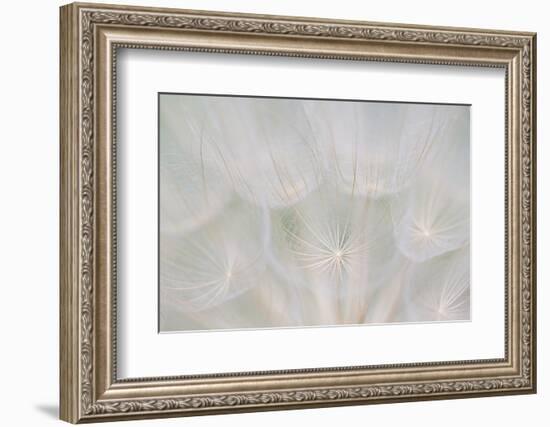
[29,171]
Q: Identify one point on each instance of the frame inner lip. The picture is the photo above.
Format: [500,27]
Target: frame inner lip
[341,370]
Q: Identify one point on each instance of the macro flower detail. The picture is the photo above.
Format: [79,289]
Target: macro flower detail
[299,212]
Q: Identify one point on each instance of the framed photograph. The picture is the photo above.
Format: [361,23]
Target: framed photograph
[266,212]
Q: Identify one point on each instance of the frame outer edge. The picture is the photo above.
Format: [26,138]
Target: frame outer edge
[534,270]
[69,313]
[296,19]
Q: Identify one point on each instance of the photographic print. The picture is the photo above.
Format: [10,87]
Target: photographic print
[288,212]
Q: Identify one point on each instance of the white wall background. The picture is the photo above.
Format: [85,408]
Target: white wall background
[29,170]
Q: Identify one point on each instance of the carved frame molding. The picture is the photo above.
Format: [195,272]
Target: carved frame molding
[90,37]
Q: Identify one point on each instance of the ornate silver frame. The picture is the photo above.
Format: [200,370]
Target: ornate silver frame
[90,36]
